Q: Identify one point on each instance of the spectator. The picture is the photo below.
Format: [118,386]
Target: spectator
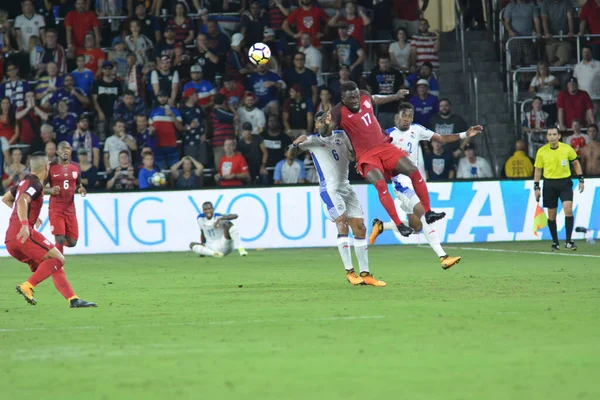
[590,21]
[266,86]
[222,119]
[356,20]
[519,165]
[52,52]
[385,80]
[400,51]
[182,25]
[89,173]
[303,76]
[123,177]
[275,141]
[590,155]
[298,114]
[425,72]
[253,23]
[238,65]
[382,23]
[165,47]
[118,56]
[166,121]
[191,175]
[217,43]
[204,89]
[166,81]
[543,83]
[147,171]
[119,141]
[313,57]
[134,79]
[65,122]
[472,166]
[254,151]
[439,164]
[182,62]
[205,58]
[535,123]
[447,123]
[587,72]
[145,135]
[425,46]
[27,25]
[138,43]
[83,138]
[30,119]
[325,103]
[127,108]
[5,34]
[306,18]
[40,142]
[521,18]
[276,48]
[289,171]
[407,14]
[83,77]
[348,51]
[15,171]
[78,23]
[574,104]
[233,91]
[277,13]
[577,140]
[557,19]
[426,105]
[105,92]
[233,170]
[194,139]
[250,113]
[14,88]
[49,83]
[149,24]
[336,85]
[8,122]
[51,152]
[76,98]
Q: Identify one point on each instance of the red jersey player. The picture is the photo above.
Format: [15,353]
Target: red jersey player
[377,159]
[64,178]
[29,246]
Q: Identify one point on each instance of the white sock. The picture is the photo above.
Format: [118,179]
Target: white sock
[234,234]
[360,249]
[389,226]
[432,237]
[343,244]
[203,250]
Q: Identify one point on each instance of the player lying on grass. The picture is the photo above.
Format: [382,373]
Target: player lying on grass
[377,158]
[406,136]
[332,156]
[218,235]
[29,246]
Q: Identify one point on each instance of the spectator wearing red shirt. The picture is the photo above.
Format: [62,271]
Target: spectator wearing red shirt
[307,18]
[94,57]
[233,169]
[232,90]
[166,121]
[355,18]
[30,118]
[407,14]
[425,46]
[182,25]
[590,20]
[79,22]
[574,104]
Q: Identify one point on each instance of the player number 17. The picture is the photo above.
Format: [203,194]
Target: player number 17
[366,119]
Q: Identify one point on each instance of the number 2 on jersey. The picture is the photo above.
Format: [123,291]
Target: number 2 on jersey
[366,119]
[409,145]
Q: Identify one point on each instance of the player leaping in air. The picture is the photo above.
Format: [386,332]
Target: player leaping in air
[29,246]
[406,136]
[64,178]
[218,235]
[332,156]
[377,158]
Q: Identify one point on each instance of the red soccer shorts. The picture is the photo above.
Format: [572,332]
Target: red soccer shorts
[31,252]
[385,158]
[63,224]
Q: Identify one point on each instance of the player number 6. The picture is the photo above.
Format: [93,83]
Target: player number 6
[65,184]
[335,155]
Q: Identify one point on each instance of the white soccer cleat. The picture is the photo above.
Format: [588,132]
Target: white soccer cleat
[218,254]
[242,252]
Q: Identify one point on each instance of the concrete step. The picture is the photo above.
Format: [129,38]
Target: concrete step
[456,66]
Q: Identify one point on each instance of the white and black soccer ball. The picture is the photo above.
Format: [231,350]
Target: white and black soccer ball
[158,179]
[259,54]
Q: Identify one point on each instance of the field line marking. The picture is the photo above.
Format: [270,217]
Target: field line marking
[523,252]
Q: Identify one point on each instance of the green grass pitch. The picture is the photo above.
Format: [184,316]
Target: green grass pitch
[284,324]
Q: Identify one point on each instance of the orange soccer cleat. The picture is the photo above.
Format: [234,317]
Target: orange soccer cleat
[26,290]
[448,261]
[353,277]
[371,280]
[376,230]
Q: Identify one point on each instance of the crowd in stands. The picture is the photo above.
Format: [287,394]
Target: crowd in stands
[139,87]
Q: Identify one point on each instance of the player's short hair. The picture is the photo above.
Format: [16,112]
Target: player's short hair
[348,87]
[116,121]
[405,106]
[128,93]
[319,115]
[46,128]
[62,144]
[207,203]
[38,161]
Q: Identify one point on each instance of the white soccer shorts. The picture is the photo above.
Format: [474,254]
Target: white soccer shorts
[407,198]
[223,245]
[339,201]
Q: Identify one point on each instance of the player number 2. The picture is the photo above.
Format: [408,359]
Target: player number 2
[65,184]
[335,155]
[409,144]
[366,119]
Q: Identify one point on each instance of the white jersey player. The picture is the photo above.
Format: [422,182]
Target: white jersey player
[406,136]
[332,157]
[218,235]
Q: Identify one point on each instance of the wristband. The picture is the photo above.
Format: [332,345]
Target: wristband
[463,135]
[536,186]
[580,178]
[25,223]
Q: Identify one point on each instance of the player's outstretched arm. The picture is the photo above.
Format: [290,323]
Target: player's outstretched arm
[455,137]
[382,99]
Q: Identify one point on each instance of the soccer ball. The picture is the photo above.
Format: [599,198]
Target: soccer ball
[259,54]
[158,179]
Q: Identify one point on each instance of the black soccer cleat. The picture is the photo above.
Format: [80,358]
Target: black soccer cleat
[79,303]
[405,230]
[570,246]
[555,247]
[432,216]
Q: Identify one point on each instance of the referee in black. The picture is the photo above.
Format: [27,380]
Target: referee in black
[554,159]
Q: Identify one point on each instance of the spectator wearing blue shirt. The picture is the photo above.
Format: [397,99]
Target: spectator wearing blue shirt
[348,51]
[266,85]
[299,74]
[82,76]
[76,99]
[145,135]
[425,72]
[440,163]
[147,171]
[127,107]
[64,123]
[14,87]
[426,105]
[289,171]
[205,90]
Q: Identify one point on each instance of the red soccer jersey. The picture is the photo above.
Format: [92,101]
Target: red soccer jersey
[575,106]
[308,21]
[235,164]
[67,178]
[362,128]
[81,23]
[32,187]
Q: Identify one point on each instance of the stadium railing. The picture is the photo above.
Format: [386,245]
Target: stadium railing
[459,31]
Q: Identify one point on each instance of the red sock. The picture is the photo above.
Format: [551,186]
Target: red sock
[386,201]
[62,284]
[60,247]
[421,189]
[44,270]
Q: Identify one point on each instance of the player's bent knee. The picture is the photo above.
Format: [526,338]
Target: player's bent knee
[54,253]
